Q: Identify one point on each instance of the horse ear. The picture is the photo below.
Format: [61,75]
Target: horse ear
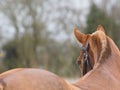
[100,27]
[80,36]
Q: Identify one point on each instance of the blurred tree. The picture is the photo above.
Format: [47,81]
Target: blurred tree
[35,43]
[32,26]
[11,56]
[95,17]
[64,18]
[115,15]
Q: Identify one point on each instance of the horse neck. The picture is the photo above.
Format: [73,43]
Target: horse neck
[109,68]
[112,63]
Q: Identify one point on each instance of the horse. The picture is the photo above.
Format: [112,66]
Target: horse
[33,79]
[84,60]
[104,74]
[104,57]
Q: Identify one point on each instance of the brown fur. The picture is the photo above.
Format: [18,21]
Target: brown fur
[33,79]
[106,75]
[95,45]
[106,54]
[106,72]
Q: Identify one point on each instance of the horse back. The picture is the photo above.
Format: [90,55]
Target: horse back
[32,79]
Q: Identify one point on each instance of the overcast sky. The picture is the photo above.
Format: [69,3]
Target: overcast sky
[8,31]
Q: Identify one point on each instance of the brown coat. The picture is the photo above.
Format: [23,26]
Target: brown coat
[32,79]
[106,56]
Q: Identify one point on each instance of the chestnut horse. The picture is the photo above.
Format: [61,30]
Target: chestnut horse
[103,56]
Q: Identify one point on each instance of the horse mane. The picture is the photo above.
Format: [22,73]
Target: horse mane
[106,53]
[111,48]
[101,41]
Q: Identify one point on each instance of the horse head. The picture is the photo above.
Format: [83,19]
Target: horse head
[93,48]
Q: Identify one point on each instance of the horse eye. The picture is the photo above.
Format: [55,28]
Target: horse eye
[84,55]
[78,62]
